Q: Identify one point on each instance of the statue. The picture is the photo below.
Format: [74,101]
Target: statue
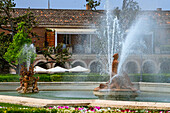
[28,83]
[117,82]
[115,64]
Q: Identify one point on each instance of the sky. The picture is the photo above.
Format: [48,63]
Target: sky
[80,4]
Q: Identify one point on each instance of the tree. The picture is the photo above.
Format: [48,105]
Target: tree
[9,23]
[93,4]
[6,18]
[58,55]
[4,44]
[15,51]
[130,9]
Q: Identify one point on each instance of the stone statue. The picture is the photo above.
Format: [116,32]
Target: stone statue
[115,64]
[28,83]
[117,82]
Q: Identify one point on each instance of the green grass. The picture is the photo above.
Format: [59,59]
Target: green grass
[13,105]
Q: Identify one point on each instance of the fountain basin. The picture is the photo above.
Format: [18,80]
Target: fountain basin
[116,94]
[149,92]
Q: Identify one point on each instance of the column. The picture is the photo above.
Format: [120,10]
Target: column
[55,38]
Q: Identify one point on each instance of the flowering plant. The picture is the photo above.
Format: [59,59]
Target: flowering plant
[69,109]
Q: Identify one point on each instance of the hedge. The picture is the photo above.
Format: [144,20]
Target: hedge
[160,78]
[80,77]
[57,77]
[15,78]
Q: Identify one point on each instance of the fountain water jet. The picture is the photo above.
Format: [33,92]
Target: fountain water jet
[119,83]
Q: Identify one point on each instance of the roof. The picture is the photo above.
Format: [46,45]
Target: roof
[161,17]
[63,16]
[69,17]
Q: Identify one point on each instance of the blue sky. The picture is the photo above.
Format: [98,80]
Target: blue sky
[79,4]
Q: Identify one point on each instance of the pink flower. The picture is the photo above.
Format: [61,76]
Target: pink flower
[50,108]
[79,108]
[93,110]
[97,107]
[122,110]
[66,107]
[59,107]
[127,110]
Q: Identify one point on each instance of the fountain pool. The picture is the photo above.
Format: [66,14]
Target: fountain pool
[88,95]
[149,92]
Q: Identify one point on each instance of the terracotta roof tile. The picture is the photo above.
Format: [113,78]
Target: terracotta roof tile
[81,17]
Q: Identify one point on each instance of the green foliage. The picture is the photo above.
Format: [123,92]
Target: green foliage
[27,53]
[79,78]
[13,105]
[127,15]
[14,50]
[9,23]
[57,54]
[93,4]
[58,77]
[6,18]
[77,109]
[43,77]
[4,44]
[9,78]
[146,77]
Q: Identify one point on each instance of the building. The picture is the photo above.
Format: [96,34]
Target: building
[77,30]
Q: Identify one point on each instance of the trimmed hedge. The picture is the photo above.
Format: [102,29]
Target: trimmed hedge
[80,77]
[58,77]
[161,78]
[9,78]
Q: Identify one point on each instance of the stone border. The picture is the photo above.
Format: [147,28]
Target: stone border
[102,103]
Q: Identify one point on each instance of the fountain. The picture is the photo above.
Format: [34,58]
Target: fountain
[119,86]
[28,83]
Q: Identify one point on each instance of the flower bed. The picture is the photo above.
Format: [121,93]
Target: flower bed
[68,109]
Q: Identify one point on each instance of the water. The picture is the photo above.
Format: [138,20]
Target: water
[109,38]
[55,95]
[78,95]
[135,42]
[27,55]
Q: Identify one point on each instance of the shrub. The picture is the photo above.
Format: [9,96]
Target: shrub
[161,78]
[79,78]
[9,78]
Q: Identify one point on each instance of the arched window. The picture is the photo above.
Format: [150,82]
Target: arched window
[96,67]
[149,67]
[42,64]
[165,67]
[58,64]
[131,67]
[78,63]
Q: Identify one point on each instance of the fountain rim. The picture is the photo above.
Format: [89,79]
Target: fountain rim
[34,102]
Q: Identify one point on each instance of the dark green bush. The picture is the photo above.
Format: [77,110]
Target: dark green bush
[79,78]
[161,78]
[43,77]
[9,78]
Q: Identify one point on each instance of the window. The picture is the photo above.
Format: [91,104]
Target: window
[67,39]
